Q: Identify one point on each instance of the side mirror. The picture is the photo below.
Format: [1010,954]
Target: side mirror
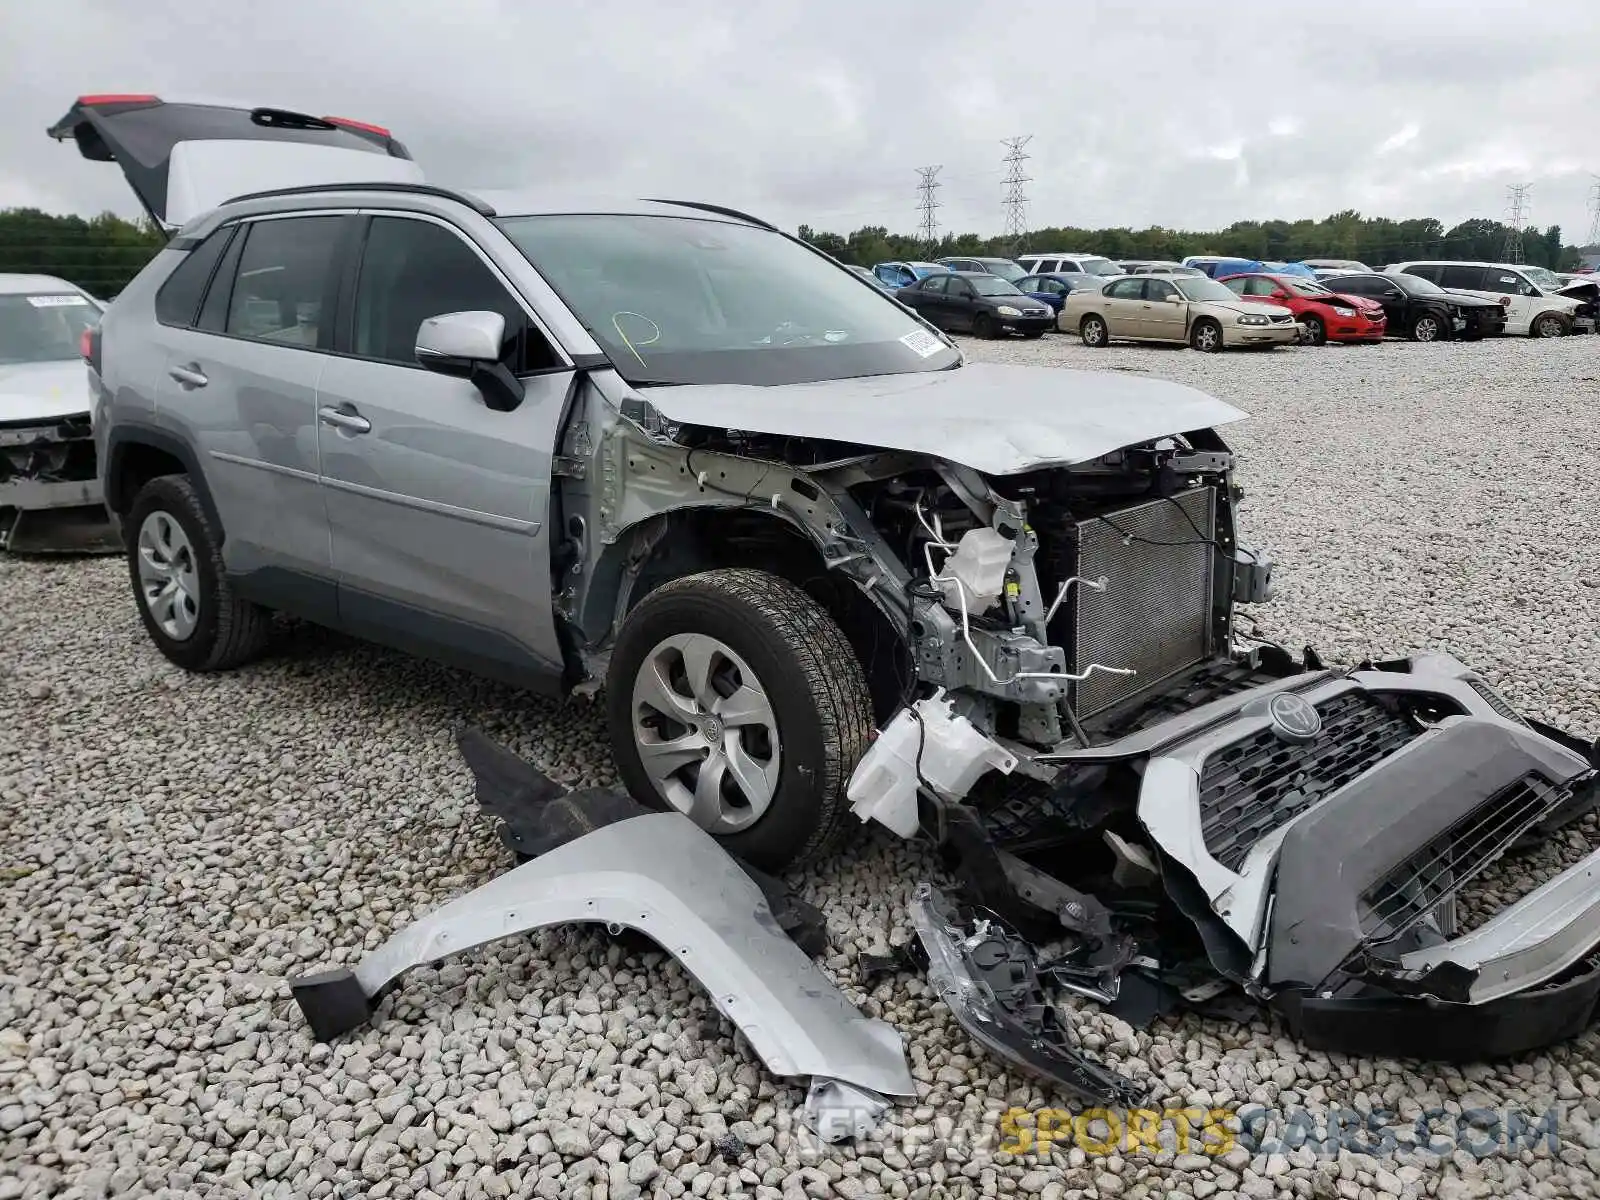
[1392,293]
[467,345]
[1279,294]
[1175,298]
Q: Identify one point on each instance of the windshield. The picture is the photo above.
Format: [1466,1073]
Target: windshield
[1416,285]
[1099,266]
[1542,277]
[1201,287]
[1009,271]
[689,300]
[992,285]
[43,327]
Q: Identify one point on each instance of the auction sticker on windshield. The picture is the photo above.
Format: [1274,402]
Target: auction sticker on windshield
[56,301]
[923,342]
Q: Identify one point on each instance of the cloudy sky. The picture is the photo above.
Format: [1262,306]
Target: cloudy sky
[1180,114]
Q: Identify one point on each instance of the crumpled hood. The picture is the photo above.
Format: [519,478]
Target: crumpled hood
[43,391]
[1585,291]
[993,418]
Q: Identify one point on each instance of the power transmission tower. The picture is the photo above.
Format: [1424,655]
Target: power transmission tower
[1016,202]
[1594,214]
[928,185]
[1516,218]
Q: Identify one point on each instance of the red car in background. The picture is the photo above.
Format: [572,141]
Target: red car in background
[1327,316]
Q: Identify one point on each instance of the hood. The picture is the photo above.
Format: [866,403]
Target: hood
[1257,307]
[1359,303]
[1585,291]
[997,419]
[43,391]
[1467,300]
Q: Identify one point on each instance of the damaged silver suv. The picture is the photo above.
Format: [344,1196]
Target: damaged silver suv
[664,448]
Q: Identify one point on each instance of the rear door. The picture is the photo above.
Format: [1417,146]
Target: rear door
[242,367]
[184,159]
[437,504]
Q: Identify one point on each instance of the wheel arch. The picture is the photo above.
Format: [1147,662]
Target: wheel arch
[694,538]
[136,454]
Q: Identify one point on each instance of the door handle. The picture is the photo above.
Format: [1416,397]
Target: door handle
[353,422]
[189,376]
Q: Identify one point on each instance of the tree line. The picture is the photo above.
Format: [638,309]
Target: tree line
[101,254]
[1373,240]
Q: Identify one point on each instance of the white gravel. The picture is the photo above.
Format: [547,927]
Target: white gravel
[173,847]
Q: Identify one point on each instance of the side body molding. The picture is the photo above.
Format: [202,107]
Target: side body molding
[663,876]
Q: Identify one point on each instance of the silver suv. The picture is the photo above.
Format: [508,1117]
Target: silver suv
[665,449]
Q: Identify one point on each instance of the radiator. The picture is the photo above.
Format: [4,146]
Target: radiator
[1155,612]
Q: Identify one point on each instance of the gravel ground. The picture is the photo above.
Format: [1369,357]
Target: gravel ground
[172,847]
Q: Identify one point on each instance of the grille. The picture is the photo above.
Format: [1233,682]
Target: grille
[1278,319]
[1428,881]
[1155,613]
[1496,700]
[1259,784]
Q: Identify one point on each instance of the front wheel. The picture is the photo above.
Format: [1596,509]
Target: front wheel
[1206,336]
[1316,331]
[1429,327]
[733,697]
[983,326]
[1550,325]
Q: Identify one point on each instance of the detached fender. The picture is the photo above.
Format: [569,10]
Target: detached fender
[661,875]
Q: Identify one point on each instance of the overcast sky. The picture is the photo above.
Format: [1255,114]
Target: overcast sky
[1180,114]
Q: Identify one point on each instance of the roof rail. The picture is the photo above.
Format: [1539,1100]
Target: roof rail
[416,189]
[716,208]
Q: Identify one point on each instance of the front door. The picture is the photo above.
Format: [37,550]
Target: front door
[438,505]
[1163,318]
[960,303]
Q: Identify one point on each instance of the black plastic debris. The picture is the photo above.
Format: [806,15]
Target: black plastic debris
[991,980]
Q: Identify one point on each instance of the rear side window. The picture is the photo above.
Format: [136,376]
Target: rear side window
[1126,289]
[284,289]
[935,283]
[412,270]
[1456,277]
[178,299]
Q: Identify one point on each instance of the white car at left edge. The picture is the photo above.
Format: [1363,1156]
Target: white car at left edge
[50,496]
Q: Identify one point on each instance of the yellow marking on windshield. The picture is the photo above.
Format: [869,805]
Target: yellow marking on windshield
[616,323]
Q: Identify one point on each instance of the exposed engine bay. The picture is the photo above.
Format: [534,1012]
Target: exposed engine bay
[49,493]
[1176,819]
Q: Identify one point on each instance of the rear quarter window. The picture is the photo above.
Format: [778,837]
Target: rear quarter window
[178,299]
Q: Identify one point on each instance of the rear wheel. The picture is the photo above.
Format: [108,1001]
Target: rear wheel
[1093,332]
[733,697]
[1206,336]
[188,606]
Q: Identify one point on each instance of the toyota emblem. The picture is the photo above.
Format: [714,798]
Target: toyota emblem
[1294,718]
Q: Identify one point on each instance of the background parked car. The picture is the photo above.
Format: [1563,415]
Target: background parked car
[1530,295]
[1325,315]
[1068,262]
[1005,268]
[902,274]
[869,277]
[1174,308]
[1422,310]
[1053,288]
[976,302]
[1156,266]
